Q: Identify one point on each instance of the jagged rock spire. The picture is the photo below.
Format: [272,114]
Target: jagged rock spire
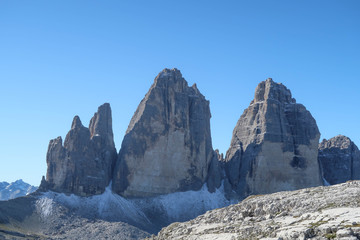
[83,165]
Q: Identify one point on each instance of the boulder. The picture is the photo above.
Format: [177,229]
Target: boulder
[274,145]
[167,147]
[83,164]
[339,159]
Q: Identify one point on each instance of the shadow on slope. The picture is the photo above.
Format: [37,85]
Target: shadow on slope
[56,215]
[148,214]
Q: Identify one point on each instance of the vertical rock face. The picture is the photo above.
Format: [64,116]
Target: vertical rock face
[339,159]
[83,165]
[216,171]
[274,145]
[167,146]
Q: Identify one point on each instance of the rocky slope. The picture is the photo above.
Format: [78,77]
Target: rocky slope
[54,215]
[339,159]
[274,146]
[15,189]
[167,147]
[39,217]
[83,165]
[331,212]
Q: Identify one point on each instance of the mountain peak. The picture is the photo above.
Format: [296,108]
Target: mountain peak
[274,144]
[76,123]
[339,141]
[15,189]
[83,165]
[166,72]
[170,78]
[19,181]
[270,90]
[101,124]
[167,146]
[339,158]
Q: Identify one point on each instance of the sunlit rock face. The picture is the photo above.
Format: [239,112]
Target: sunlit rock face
[312,213]
[167,146]
[83,164]
[339,159]
[274,146]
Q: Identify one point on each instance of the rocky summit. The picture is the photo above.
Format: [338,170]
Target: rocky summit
[274,146]
[167,147]
[339,159]
[83,165]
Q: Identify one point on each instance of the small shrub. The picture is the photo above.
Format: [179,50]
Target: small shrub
[330,235]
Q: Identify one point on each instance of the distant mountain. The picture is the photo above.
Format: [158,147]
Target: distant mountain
[15,189]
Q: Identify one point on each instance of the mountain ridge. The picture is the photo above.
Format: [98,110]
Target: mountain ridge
[167,170]
[15,189]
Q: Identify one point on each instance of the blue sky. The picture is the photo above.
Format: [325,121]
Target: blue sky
[64,58]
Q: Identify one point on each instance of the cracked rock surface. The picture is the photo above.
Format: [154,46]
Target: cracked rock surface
[331,212]
[83,163]
[274,146]
[339,159]
[167,147]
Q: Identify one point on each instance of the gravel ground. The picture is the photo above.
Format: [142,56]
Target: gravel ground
[315,213]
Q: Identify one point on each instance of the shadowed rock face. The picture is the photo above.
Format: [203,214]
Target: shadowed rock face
[167,146]
[83,165]
[339,159]
[274,145]
[216,171]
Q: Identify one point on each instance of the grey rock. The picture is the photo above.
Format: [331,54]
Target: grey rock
[83,165]
[38,216]
[167,146]
[344,233]
[339,159]
[216,171]
[274,145]
[326,212]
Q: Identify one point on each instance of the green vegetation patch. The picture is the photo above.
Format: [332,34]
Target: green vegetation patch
[316,224]
[330,235]
[355,225]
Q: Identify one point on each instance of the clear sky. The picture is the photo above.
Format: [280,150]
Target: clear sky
[64,58]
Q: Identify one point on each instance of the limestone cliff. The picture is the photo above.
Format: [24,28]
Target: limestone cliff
[167,146]
[274,145]
[83,165]
[339,159]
